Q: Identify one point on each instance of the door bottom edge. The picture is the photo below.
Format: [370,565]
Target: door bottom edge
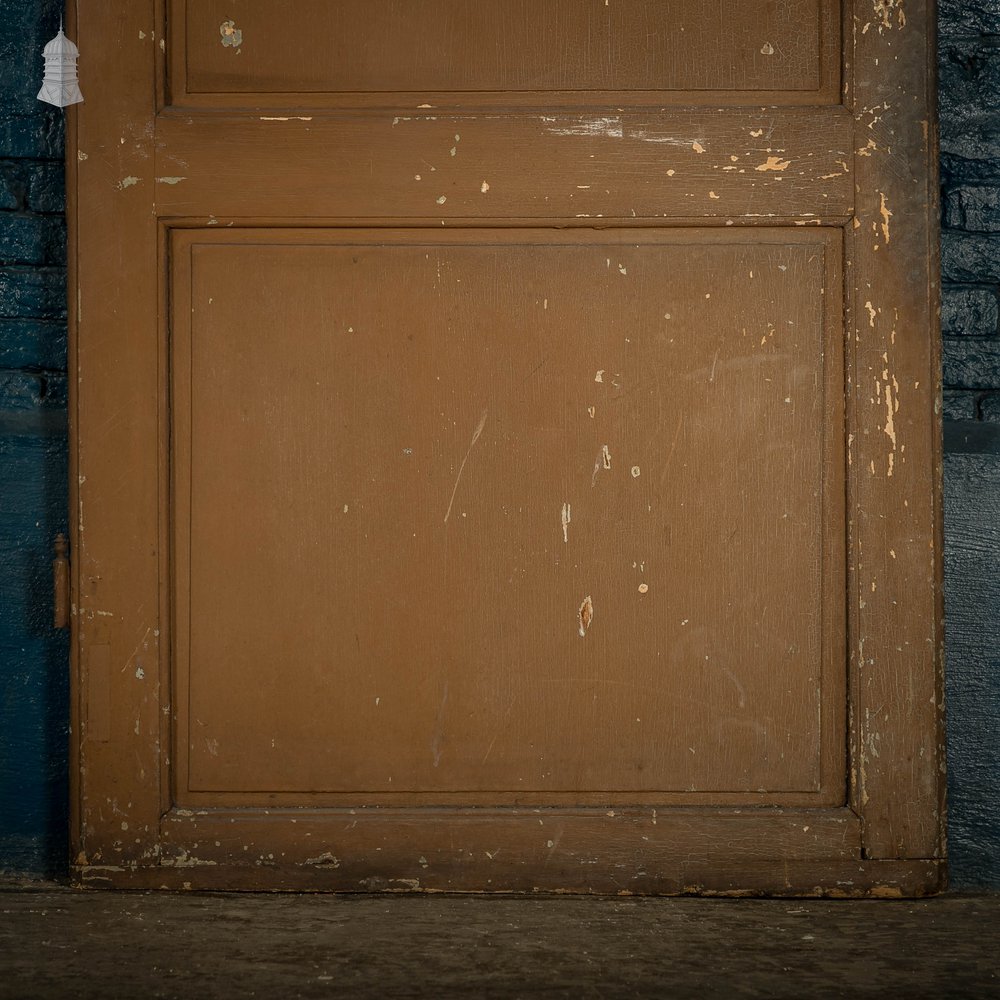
[819,878]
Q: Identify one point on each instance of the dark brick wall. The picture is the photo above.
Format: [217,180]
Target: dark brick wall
[33,658]
[969,47]
[969,68]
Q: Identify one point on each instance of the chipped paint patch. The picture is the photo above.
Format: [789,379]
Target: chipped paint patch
[567,517]
[232,37]
[775,163]
[127,182]
[890,14]
[325,860]
[586,615]
[170,180]
[886,216]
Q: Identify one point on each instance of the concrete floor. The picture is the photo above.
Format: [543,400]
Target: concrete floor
[61,943]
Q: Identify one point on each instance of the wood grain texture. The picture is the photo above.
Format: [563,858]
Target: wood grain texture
[783,163]
[896,594]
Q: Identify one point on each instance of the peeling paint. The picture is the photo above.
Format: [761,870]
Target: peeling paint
[886,216]
[232,37]
[889,11]
[775,163]
[325,860]
[586,615]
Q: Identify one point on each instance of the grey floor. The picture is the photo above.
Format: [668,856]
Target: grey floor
[62,943]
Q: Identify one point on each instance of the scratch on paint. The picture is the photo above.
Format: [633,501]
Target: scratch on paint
[438,727]
[566,518]
[610,127]
[461,469]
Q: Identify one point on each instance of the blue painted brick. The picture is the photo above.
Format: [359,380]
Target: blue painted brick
[40,135]
[989,407]
[973,207]
[26,26]
[13,186]
[972,596]
[968,17]
[969,78]
[971,363]
[31,391]
[33,656]
[46,186]
[960,404]
[32,292]
[969,312]
[970,257]
[32,239]
[32,344]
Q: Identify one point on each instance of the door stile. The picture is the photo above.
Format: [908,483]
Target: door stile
[115,386]
[897,765]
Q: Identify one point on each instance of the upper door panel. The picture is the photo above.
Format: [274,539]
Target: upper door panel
[569,52]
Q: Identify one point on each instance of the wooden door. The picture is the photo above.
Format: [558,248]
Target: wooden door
[506,451]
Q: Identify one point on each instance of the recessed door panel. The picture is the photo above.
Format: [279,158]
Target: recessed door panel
[509,516]
[357,47]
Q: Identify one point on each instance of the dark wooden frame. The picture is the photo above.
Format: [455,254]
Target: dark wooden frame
[887,840]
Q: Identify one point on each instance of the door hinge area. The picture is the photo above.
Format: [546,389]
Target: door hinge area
[60,582]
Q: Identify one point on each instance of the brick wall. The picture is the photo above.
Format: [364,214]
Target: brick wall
[970,177]
[969,69]
[33,657]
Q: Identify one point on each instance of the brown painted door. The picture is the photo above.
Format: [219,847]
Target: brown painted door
[505,446]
